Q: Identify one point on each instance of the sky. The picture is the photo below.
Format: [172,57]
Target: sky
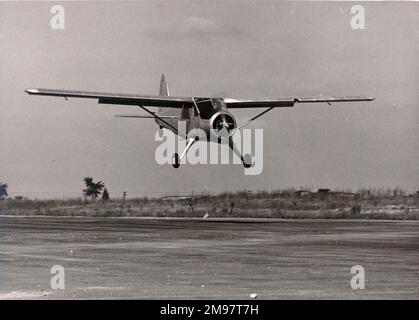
[238,49]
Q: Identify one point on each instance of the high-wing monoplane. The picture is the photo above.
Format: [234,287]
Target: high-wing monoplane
[210,114]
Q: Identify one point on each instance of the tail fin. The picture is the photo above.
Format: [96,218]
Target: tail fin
[164,90]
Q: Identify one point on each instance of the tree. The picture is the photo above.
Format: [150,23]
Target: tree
[3,190]
[93,189]
[105,195]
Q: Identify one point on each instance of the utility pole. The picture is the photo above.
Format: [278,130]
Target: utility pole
[191,202]
[124,195]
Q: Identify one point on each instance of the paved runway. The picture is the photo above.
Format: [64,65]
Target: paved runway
[214,259]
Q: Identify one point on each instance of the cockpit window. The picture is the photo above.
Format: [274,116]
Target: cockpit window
[206,107]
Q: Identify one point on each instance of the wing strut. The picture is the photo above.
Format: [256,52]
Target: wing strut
[178,132]
[255,117]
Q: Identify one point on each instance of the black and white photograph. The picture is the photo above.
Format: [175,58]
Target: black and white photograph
[178,150]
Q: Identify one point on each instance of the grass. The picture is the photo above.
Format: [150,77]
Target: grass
[391,204]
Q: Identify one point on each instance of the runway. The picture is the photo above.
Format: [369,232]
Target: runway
[142,258]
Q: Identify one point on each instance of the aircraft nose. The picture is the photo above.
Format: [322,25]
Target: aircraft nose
[224,124]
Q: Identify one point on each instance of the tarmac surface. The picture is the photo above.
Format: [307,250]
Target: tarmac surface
[147,258]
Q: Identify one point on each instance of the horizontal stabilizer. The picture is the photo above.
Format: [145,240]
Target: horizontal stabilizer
[144,117]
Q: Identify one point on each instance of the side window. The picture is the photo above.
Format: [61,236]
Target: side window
[218,105]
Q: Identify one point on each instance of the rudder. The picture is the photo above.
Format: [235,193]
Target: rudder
[164,90]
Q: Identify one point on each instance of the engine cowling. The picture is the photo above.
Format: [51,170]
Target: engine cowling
[223,124]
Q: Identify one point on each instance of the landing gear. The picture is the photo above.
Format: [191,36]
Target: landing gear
[247,161]
[175,161]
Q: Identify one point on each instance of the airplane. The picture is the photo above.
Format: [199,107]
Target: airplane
[210,114]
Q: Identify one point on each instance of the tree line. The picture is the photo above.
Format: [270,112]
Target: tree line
[93,189]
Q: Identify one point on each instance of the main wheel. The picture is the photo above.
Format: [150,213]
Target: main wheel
[247,161]
[175,161]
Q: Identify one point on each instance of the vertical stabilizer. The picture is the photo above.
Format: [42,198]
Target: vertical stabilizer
[164,90]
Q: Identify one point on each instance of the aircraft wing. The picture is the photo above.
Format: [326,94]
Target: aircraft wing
[117,98]
[288,102]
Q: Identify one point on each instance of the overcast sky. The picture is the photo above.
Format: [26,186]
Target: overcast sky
[231,48]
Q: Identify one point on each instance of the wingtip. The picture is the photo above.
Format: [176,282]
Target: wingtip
[31,91]
[367,98]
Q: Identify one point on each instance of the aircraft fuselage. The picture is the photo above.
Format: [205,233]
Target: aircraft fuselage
[209,115]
